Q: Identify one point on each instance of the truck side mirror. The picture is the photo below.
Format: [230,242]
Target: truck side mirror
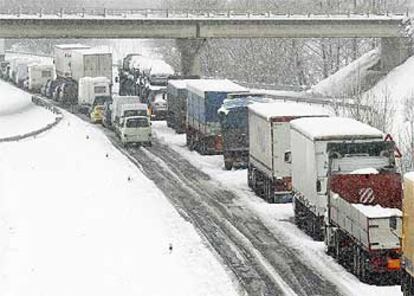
[288,157]
[393,223]
[318,186]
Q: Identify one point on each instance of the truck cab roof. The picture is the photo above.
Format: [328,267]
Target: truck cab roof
[335,128]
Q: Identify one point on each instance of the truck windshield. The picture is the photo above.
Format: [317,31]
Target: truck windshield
[348,157]
[130,113]
[137,122]
[100,89]
[101,100]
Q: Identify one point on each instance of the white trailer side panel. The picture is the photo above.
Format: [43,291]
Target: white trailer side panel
[260,141]
[304,173]
[91,65]
[374,233]
[63,58]
[281,144]
[39,75]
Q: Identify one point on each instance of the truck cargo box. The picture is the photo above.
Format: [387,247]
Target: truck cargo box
[39,74]
[365,205]
[91,88]
[270,146]
[117,102]
[63,58]
[177,104]
[233,115]
[91,63]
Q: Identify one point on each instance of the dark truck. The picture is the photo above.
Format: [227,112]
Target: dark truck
[233,116]
[177,102]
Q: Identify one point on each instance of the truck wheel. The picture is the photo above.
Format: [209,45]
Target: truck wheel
[249,176]
[268,190]
[337,248]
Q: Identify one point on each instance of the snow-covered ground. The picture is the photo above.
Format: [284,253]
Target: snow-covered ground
[348,79]
[77,218]
[18,115]
[398,87]
[278,218]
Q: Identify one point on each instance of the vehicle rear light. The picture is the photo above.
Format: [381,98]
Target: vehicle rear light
[218,143]
[393,264]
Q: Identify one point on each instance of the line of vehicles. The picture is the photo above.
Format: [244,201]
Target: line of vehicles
[81,77]
[341,175]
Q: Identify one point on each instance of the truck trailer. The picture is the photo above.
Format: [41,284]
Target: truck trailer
[325,148]
[91,63]
[233,115]
[38,75]
[177,104]
[63,58]
[269,168]
[205,97]
[407,277]
[92,94]
[364,221]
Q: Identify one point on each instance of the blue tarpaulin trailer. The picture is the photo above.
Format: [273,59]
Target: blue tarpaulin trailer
[233,116]
[205,97]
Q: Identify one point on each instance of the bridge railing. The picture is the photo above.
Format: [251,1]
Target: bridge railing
[165,13]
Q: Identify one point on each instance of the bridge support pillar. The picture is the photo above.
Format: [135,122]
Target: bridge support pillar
[2,50]
[394,51]
[190,55]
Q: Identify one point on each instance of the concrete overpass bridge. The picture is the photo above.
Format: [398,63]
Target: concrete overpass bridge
[191,29]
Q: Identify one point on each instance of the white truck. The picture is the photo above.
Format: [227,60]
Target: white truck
[327,154]
[92,94]
[269,167]
[91,63]
[19,70]
[132,123]
[38,75]
[115,107]
[63,58]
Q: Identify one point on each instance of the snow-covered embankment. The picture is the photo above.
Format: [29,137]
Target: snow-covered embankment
[77,218]
[19,116]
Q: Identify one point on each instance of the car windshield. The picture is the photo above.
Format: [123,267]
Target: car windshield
[137,122]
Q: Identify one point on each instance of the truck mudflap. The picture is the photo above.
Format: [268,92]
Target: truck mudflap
[369,189]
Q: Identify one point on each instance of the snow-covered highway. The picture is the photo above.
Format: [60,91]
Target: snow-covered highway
[77,218]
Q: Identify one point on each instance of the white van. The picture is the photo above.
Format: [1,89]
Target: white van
[135,130]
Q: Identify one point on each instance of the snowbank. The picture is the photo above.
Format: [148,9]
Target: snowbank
[398,88]
[18,115]
[77,218]
[344,82]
